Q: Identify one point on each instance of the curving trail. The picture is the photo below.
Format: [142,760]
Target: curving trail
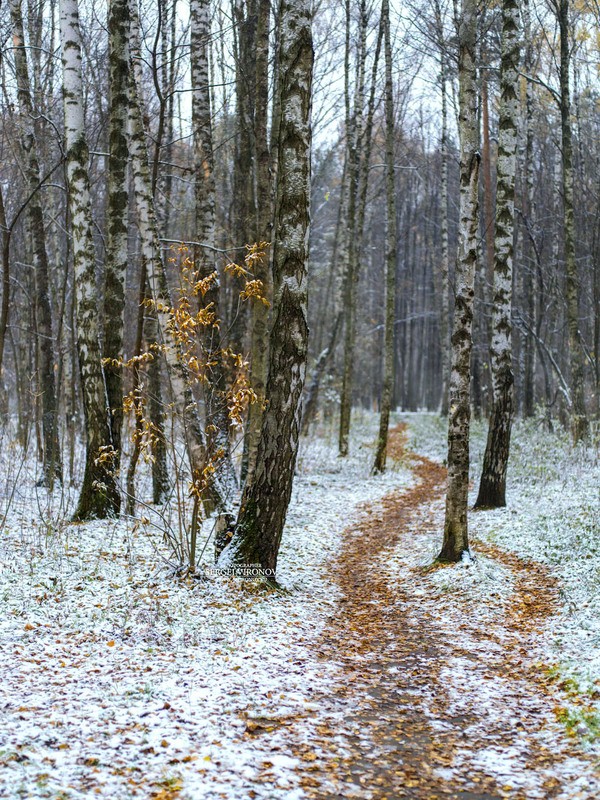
[437,695]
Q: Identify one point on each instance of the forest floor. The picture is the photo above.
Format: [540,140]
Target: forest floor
[375,675]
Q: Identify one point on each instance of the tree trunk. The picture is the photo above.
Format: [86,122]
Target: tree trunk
[445,260]
[528,203]
[579,420]
[265,500]
[217,417]
[259,332]
[117,214]
[354,134]
[35,215]
[390,259]
[184,404]
[99,496]
[456,541]
[492,489]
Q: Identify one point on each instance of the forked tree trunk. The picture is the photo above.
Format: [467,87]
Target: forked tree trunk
[117,214]
[217,418]
[265,500]
[456,541]
[99,495]
[492,489]
[35,217]
[390,256]
[579,419]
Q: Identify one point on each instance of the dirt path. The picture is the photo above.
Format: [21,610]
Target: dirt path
[439,695]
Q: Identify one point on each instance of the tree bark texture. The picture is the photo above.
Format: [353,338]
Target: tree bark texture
[265,500]
[492,489]
[99,496]
[456,541]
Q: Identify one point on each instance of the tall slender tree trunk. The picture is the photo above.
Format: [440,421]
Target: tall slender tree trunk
[354,133]
[326,354]
[117,214]
[390,246]
[259,331]
[492,489]
[146,320]
[217,418]
[5,306]
[445,259]
[156,409]
[579,419]
[456,541]
[528,204]
[184,404]
[35,216]
[265,500]
[99,495]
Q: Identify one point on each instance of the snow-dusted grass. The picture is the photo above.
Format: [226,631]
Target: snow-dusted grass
[552,516]
[118,680]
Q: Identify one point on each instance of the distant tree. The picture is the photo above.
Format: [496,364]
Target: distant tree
[390,249]
[37,229]
[579,419]
[354,131]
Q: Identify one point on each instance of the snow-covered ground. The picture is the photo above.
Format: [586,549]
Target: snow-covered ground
[553,517]
[119,680]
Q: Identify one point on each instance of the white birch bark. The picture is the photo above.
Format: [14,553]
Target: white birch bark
[265,500]
[456,540]
[217,418]
[445,259]
[492,489]
[185,405]
[117,213]
[99,496]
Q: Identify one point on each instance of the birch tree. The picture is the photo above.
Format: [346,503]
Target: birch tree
[492,489]
[204,190]
[35,218]
[579,419]
[456,541]
[99,495]
[444,255]
[390,242]
[354,134]
[117,215]
[265,500]
[185,406]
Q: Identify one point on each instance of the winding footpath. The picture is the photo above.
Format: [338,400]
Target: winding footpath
[438,695]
